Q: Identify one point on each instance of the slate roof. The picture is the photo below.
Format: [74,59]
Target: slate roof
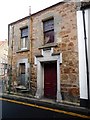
[85,5]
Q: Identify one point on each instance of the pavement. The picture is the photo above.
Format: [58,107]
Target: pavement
[48,103]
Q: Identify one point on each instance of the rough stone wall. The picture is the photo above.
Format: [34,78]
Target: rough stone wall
[66,38]
[65,30]
[69,49]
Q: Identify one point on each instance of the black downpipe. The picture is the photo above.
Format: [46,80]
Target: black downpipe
[87,65]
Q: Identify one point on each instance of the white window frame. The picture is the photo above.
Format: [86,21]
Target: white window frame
[23,45]
[24,40]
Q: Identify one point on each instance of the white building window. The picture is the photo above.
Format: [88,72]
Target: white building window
[24,38]
[24,43]
[48,29]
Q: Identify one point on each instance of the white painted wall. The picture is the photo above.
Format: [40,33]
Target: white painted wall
[82,59]
[88,27]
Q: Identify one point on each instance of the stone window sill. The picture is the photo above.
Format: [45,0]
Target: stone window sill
[24,50]
[48,45]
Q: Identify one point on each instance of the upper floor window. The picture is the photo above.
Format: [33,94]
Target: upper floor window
[48,28]
[24,38]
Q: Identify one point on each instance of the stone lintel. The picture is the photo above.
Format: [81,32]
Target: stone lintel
[48,46]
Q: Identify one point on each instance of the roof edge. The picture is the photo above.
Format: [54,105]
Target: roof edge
[27,17]
[48,7]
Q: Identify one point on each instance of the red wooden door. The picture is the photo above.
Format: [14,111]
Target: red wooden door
[50,80]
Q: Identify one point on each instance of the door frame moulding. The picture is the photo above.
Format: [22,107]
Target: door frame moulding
[39,60]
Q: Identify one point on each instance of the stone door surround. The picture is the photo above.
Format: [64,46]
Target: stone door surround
[47,56]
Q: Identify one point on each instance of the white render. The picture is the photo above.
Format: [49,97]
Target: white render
[82,56]
[88,33]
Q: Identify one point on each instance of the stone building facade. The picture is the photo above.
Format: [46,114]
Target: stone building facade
[3,59]
[43,50]
[19,52]
[3,66]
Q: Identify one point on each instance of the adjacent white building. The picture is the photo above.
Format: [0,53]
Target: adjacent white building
[83,23]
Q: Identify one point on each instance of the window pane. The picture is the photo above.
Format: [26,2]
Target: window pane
[22,68]
[24,32]
[49,36]
[48,25]
[24,42]
[5,66]
[21,43]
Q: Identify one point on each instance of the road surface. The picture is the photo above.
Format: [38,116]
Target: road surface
[16,109]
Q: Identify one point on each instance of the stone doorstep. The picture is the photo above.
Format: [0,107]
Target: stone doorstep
[24,91]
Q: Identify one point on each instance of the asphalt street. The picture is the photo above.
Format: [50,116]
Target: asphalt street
[12,109]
